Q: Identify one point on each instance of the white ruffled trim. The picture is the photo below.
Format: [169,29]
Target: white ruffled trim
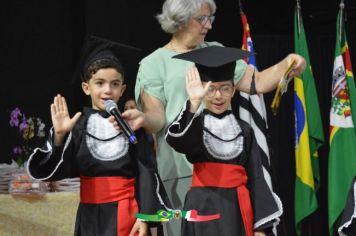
[219,149]
[348,223]
[159,195]
[101,129]
[49,146]
[177,121]
[275,216]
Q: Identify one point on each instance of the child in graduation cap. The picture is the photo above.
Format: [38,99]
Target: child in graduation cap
[227,170]
[117,178]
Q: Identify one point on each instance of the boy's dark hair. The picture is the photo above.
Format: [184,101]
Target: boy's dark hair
[99,53]
[102,64]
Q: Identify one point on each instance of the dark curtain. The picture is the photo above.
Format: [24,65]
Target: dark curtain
[36,62]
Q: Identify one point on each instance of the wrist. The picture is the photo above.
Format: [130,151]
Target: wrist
[58,139]
[194,105]
[59,134]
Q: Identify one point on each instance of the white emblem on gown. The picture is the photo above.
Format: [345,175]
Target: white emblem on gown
[225,128]
[101,128]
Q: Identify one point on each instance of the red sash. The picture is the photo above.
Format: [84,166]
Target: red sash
[98,190]
[226,176]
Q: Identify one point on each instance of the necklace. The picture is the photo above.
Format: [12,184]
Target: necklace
[174,49]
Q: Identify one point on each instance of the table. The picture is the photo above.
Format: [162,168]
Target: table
[52,215]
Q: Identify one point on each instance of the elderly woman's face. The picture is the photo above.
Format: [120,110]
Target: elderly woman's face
[199,25]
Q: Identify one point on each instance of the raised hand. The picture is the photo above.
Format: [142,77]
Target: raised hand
[194,86]
[62,123]
[195,89]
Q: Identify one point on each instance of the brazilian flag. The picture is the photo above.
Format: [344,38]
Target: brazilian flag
[309,136]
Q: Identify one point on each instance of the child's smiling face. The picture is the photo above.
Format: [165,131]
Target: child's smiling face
[105,84]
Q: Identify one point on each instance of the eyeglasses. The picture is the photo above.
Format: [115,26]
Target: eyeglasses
[203,20]
[225,90]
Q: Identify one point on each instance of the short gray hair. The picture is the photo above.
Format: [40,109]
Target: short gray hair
[176,13]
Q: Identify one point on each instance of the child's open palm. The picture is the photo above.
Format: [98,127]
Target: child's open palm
[62,123]
[195,89]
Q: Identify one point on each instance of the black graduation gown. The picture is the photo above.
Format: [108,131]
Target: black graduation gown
[94,148]
[195,135]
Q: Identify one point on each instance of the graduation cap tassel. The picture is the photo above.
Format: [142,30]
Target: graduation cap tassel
[253,90]
[281,89]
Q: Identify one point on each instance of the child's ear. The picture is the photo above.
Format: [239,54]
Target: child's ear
[123,88]
[233,91]
[85,87]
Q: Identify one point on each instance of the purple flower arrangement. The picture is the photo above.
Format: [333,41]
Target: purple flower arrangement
[31,131]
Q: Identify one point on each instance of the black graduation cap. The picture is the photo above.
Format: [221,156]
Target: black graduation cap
[94,48]
[215,63]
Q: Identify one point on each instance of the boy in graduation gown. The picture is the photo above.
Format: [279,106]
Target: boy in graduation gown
[227,170]
[117,178]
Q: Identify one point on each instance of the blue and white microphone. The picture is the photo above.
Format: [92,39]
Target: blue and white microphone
[112,109]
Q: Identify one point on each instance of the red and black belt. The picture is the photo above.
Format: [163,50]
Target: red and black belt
[221,175]
[97,190]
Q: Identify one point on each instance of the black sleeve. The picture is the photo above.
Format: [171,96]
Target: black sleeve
[150,193]
[51,162]
[266,205]
[185,132]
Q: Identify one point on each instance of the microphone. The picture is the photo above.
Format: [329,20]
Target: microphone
[112,109]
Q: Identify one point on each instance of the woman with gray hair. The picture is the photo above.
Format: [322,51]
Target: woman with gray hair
[160,87]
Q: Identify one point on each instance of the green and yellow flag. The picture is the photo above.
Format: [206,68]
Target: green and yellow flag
[308,132]
[342,139]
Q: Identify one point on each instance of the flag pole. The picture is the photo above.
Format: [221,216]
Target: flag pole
[298,15]
[240,6]
[341,20]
